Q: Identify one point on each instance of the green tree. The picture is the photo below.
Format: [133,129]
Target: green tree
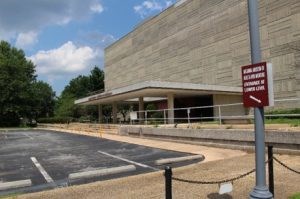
[96,79]
[156,114]
[43,100]
[107,113]
[16,77]
[65,106]
[79,87]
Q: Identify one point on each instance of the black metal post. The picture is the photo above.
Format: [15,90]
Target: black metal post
[168,180]
[271,171]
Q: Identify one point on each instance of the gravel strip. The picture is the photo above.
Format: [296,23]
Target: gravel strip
[152,185]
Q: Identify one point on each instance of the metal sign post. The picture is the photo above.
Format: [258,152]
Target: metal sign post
[260,190]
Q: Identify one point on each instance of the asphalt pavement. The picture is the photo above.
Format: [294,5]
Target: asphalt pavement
[49,159]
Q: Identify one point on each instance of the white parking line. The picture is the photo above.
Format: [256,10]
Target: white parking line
[30,137]
[101,172]
[129,161]
[15,184]
[3,135]
[42,170]
[179,159]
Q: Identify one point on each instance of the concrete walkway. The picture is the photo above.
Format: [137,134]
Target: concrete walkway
[210,153]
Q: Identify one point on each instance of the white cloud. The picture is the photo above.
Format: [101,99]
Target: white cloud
[65,60]
[96,39]
[64,20]
[169,3]
[22,17]
[97,8]
[27,39]
[150,7]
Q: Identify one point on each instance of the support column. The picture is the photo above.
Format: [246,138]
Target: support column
[171,108]
[100,114]
[114,112]
[141,108]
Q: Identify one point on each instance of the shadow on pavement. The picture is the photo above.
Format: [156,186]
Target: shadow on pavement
[218,196]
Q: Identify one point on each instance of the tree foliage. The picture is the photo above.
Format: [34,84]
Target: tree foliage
[21,96]
[65,106]
[42,100]
[96,79]
[79,87]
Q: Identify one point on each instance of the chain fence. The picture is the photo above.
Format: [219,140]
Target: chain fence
[218,181]
[284,165]
[234,178]
[215,182]
[271,159]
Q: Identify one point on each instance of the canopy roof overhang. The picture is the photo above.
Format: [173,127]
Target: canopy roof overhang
[157,89]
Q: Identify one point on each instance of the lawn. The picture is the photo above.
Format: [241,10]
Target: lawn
[292,122]
[295,196]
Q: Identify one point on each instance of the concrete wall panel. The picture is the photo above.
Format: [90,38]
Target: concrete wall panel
[207,42]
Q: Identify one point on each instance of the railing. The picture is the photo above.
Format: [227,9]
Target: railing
[214,113]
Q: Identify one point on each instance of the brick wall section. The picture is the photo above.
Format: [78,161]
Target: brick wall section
[206,42]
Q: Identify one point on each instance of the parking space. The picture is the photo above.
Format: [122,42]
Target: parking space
[52,159]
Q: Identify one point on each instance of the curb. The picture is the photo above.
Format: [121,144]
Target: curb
[15,184]
[180,159]
[101,172]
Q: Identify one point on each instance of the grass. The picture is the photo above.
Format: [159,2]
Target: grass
[10,196]
[295,196]
[291,122]
[294,122]
[229,127]
[14,128]
[210,122]
[283,111]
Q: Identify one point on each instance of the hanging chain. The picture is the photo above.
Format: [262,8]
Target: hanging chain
[214,182]
[284,165]
[218,181]
[235,178]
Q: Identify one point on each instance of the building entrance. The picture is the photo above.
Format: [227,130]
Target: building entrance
[199,114]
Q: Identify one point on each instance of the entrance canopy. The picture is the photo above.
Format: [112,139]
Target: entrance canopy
[157,89]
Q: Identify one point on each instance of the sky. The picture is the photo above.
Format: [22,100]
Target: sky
[67,38]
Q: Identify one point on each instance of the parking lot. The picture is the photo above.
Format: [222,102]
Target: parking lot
[37,160]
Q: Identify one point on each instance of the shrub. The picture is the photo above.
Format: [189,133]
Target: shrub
[10,119]
[31,123]
[53,120]
[283,111]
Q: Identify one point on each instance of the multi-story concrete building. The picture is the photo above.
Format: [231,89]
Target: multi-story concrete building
[195,49]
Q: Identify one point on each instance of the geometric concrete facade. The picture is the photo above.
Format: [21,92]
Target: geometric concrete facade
[196,48]
[232,110]
[207,42]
